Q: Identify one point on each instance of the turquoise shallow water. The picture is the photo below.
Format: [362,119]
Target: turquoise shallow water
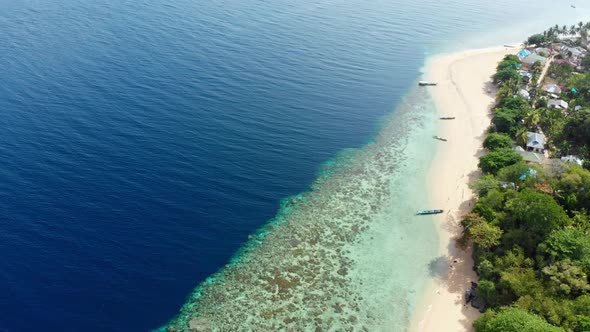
[348,254]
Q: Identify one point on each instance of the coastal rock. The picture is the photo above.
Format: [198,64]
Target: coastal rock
[479,304]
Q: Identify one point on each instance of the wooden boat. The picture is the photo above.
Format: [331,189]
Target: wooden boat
[424,212]
[439,138]
[447,118]
[424,83]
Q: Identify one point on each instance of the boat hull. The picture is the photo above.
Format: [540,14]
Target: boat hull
[426,212]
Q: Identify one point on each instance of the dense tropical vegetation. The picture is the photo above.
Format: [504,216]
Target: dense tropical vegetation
[568,133]
[530,227]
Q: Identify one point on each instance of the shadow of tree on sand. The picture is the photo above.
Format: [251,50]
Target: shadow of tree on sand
[439,267]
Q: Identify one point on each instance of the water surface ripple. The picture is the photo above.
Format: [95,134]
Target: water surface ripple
[143,141]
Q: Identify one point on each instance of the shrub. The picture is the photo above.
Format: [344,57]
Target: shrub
[496,141]
[494,161]
[513,320]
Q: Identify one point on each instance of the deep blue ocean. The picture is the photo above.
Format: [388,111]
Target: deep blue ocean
[141,142]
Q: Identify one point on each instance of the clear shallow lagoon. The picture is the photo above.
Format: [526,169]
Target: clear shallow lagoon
[347,254]
[143,142]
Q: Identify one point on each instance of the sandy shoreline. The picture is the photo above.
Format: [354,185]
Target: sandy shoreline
[464,91]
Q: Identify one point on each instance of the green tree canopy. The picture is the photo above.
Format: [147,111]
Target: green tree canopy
[514,173]
[561,72]
[505,75]
[574,188]
[511,57]
[567,278]
[496,141]
[569,243]
[582,310]
[537,67]
[536,213]
[507,120]
[537,39]
[485,235]
[485,184]
[513,320]
[520,281]
[509,61]
[494,199]
[582,84]
[492,162]
[517,103]
[486,290]
[577,128]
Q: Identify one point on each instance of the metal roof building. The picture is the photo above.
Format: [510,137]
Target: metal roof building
[558,103]
[536,141]
[534,58]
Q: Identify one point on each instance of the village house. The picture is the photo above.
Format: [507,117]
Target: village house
[532,58]
[573,159]
[535,142]
[572,56]
[558,103]
[569,62]
[524,73]
[523,54]
[574,52]
[543,51]
[529,156]
[552,88]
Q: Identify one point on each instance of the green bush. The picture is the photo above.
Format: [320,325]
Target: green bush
[505,75]
[496,141]
[537,39]
[507,121]
[492,162]
[513,320]
[486,290]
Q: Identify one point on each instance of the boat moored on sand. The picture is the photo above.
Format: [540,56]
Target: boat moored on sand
[425,212]
[425,83]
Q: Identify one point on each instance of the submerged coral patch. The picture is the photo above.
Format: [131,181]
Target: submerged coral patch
[300,272]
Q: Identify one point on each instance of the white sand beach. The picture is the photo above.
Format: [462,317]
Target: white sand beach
[464,91]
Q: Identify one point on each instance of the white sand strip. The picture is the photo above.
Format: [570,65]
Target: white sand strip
[464,91]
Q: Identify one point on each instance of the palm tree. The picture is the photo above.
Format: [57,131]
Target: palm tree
[512,85]
[532,118]
[521,136]
[534,92]
[549,116]
[537,67]
[580,25]
[585,28]
[572,30]
[564,30]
